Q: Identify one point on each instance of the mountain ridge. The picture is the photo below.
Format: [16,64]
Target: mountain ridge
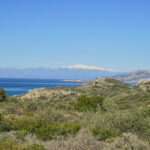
[57,73]
[134,77]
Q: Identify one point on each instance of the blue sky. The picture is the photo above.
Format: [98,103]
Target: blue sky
[52,33]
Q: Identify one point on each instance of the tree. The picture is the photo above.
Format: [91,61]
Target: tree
[3,95]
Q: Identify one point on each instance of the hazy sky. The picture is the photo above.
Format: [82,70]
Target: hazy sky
[51,33]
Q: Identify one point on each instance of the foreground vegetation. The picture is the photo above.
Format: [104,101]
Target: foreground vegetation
[104,114]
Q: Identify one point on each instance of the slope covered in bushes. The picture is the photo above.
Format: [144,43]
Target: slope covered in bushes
[101,114]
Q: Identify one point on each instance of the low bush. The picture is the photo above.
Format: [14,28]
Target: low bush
[85,103]
[10,144]
[85,141]
[47,130]
[136,121]
[106,133]
[35,147]
[31,107]
[43,129]
[5,125]
[50,114]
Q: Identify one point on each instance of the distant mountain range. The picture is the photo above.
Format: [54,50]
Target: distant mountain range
[71,73]
[134,77]
[76,72]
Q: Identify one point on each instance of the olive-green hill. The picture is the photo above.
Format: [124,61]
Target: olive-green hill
[120,92]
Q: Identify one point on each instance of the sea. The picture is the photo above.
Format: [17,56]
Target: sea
[19,86]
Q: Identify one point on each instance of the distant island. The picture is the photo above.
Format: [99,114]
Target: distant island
[76,80]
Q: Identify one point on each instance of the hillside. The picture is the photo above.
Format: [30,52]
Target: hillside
[134,77]
[102,114]
[113,89]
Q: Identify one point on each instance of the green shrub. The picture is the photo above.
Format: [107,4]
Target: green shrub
[136,121]
[5,125]
[47,130]
[10,144]
[104,134]
[3,95]
[35,147]
[31,106]
[85,103]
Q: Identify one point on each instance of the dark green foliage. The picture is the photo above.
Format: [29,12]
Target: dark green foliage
[106,133]
[47,130]
[85,103]
[35,147]
[5,125]
[3,95]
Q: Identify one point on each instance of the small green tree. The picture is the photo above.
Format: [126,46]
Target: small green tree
[3,95]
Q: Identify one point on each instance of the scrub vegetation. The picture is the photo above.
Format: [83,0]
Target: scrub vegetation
[103,114]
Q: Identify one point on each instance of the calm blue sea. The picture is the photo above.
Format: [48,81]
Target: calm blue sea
[18,86]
